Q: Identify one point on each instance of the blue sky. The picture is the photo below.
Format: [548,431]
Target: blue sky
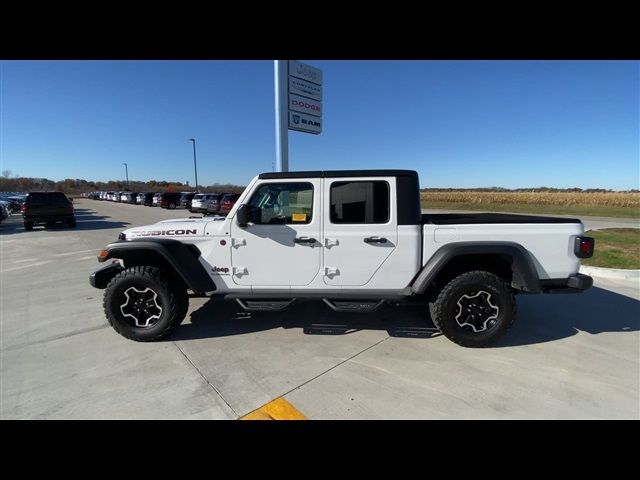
[458,123]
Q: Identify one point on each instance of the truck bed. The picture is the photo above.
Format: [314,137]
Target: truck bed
[489,218]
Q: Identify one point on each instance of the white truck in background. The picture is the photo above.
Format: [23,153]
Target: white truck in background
[354,239]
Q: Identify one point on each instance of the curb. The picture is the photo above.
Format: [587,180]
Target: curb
[611,272]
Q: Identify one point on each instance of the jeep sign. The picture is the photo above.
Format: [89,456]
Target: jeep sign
[305,72]
[305,123]
[305,105]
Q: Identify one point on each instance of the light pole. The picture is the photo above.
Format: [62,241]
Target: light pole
[195,167]
[126,171]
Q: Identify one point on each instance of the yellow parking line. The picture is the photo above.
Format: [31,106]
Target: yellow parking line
[278,409]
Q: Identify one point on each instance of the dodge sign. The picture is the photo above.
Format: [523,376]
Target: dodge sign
[305,105]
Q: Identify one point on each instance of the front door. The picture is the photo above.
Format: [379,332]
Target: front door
[281,246]
[360,228]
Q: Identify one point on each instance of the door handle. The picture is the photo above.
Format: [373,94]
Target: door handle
[375,240]
[304,240]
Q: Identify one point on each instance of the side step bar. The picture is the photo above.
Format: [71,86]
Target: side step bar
[276,304]
[364,306]
[264,305]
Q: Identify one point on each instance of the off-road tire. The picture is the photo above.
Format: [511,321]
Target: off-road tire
[28,225]
[72,223]
[445,308]
[172,296]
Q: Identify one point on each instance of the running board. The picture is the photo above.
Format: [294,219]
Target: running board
[264,305]
[363,306]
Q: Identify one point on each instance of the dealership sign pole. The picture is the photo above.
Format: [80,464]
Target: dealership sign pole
[298,102]
[282,134]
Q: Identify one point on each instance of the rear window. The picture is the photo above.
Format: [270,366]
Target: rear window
[359,202]
[47,197]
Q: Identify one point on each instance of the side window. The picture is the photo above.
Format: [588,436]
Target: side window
[359,202]
[284,203]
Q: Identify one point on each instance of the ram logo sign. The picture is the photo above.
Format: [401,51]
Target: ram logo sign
[305,123]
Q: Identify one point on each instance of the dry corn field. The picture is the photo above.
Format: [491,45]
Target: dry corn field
[605,199]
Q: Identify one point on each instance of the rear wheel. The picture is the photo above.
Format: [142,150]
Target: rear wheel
[474,309]
[28,225]
[72,223]
[172,206]
[145,303]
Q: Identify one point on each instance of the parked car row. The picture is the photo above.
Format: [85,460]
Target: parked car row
[213,203]
[10,202]
[207,203]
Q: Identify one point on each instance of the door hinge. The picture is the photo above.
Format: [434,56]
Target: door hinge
[239,271]
[331,271]
[236,242]
[331,242]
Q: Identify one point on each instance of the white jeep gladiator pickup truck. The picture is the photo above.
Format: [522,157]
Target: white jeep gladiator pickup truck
[354,239]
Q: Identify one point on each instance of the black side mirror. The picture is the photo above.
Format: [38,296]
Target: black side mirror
[242,214]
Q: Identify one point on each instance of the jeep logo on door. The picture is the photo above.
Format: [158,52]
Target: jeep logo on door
[220,270]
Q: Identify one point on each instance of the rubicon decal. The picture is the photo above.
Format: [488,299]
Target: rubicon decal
[155,233]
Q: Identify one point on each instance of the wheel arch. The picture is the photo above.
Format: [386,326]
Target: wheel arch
[171,255]
[507,260]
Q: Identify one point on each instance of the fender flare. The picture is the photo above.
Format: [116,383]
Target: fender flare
[525,276]
[183,258]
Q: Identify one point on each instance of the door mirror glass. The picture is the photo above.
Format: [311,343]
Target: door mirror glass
[242,214]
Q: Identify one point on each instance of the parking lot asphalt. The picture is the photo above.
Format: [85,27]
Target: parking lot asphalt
[567,356]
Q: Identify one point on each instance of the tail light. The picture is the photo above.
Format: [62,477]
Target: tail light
[583,247]
[23,209]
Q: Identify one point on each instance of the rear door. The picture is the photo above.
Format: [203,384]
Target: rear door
[360,228]
[49,204]
[281,246]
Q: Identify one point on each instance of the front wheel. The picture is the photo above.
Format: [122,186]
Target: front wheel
[172,206]
[144,303]
[474,309]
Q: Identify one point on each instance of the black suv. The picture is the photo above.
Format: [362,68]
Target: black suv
[169,200]
[48,208]
[185,200]
[147,200]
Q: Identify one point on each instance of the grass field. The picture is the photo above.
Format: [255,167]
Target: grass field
[615,248]
[613,204]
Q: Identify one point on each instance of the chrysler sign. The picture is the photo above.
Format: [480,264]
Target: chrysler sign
[305,123]
[304,88]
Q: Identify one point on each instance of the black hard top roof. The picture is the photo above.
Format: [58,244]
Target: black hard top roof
[340,173]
